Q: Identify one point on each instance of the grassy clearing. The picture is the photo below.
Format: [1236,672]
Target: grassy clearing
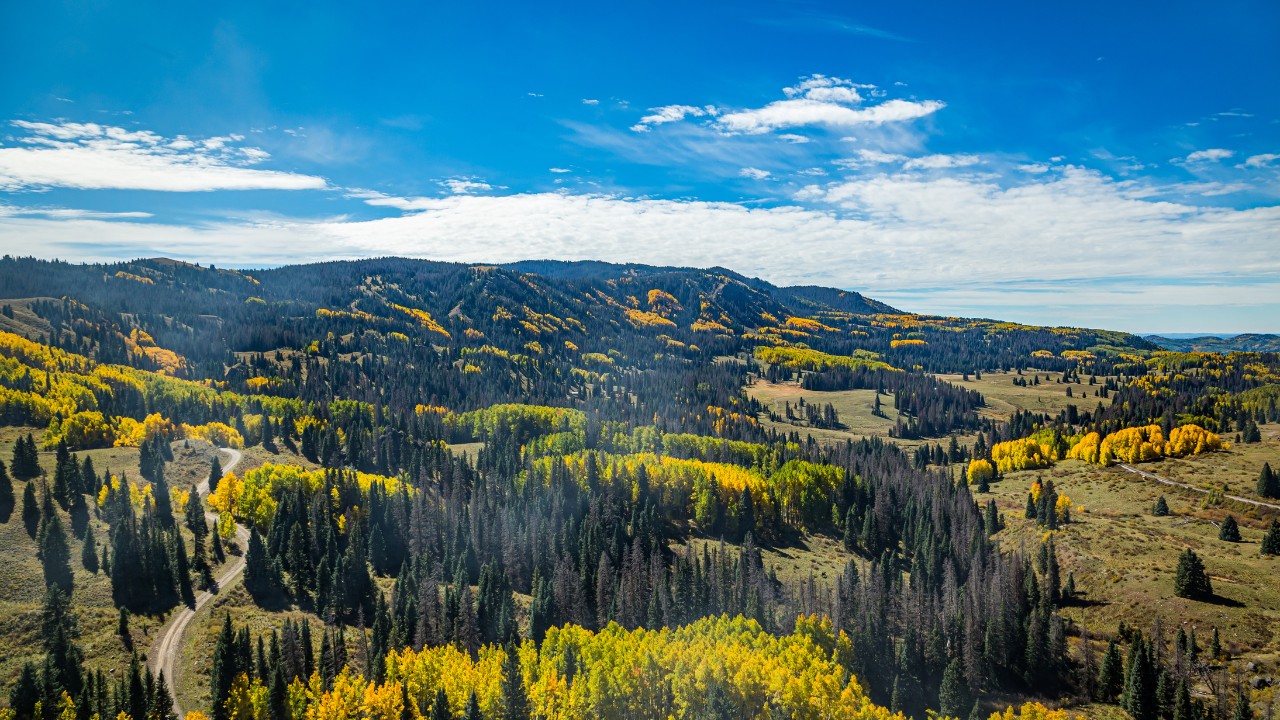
[22,594]
[1124,558]
[1234,470]
[1003,397]
[853,406]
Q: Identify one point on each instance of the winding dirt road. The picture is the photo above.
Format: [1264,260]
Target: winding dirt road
[167,648]
[1175,483]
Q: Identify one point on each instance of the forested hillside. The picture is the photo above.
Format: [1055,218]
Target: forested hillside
[552,490]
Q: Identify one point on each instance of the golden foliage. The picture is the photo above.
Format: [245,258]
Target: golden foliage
[808,325]
[642,319]
[979,470]
[910,342]
[1024,454]
[1143,444]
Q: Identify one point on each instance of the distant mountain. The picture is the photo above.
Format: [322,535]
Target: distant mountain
[1249,342]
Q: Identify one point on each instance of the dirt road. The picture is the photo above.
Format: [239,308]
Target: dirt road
[1175,483]
[167,648]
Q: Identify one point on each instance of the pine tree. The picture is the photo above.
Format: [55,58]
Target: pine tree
[1110,673]
[1271,541]
[954,696]
[89,553]
[1215,645]
[440,708]
[1031,507]
[215,474]
[1191,580]
[162,700]
[30,509]
[26,459]
[224,668]
[1140,682]
[515,702]
[1268,482]
[6,494]
[160,491]
[26,693]
[259,577]
[1161,508]
[1182,707]
[1229,531]
[472,711]
[55,553]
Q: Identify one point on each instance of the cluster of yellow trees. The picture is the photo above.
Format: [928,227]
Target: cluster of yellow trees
[1025,454]
[798,358]
[615,674]
[252,498]
[1143,444]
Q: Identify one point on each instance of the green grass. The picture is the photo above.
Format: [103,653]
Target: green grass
[1003,397]
[854,408]
[1124,558]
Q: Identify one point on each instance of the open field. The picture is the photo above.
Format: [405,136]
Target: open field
[854,408]
[1124,558]
[1003,397]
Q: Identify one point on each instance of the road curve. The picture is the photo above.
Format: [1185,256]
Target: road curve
[1175,483]
[166,649]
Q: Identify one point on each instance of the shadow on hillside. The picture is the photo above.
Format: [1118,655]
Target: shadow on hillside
[1216,599]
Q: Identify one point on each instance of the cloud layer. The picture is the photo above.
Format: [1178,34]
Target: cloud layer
[89,156]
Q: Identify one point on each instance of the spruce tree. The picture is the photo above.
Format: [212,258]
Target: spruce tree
[1229,531]
[1182,707]
[472,711]
[258,568]
[1271,541]
[515,702]
[26,693]
[30,509]
[224,668]
[440,708]
[1191,580]
[89,553]
[1110,673]
[215,474]
[6,494]
[1161,508]
[954,696]
[55,553]
[1140,682]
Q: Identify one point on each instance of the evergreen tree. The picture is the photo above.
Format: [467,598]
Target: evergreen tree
[1229,531]
[6,494]
[1110,673]
[30,509]
[1271,541]
[1215,645]
[1161,508]
[259,577]
[1140,682]
[1191,580]
[89,553]
[26,693]
[215,474]
[1182,707]
[55,553]
[1268,482]
[954,697]
[26,459]
[161,701]
[440,708]
[1031,507]
[278,696]
[160,491]
[472,711]
[224,668]
[515,702]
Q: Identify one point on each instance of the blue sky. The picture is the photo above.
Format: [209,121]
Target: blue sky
[1089,164]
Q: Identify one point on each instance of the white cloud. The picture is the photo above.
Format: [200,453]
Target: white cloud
[1076,239]
[463,186]
[559,170]
[670,114]
[1263,160]
[753,173]
[936,162]
[1210,155]
[805,112]
[70,213]
[589,101]
[93,157]
[793,138]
